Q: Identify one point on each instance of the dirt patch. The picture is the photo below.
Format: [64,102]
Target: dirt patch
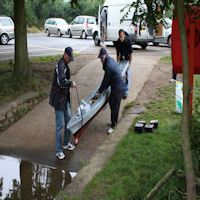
[158,79]
[46,70]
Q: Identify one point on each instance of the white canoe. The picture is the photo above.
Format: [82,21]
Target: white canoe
[88,109]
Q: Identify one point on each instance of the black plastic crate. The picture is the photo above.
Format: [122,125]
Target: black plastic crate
[139,128]
[149,128]
[155,123]
[142,122]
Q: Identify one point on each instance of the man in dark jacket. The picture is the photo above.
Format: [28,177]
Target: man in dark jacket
[113,78]
[60,100]
[125,52]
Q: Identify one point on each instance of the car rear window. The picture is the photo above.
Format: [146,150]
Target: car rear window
[6,22]
[91,20]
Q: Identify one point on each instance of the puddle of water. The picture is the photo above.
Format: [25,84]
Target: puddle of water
[22,180]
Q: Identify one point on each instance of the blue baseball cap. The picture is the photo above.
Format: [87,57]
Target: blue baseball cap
[102,52]
[69,52]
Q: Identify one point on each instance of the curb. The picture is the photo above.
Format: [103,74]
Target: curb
[98,160]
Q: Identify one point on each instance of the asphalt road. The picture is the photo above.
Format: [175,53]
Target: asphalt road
[41,45]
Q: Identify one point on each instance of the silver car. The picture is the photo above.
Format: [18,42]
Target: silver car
[56,26]
[82,26]
[6,29]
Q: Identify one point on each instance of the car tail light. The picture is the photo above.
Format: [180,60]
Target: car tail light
[87,25]
[135,29]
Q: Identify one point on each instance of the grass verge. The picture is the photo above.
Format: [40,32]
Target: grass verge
[167,60]
[47,59]
[34,29]
[11,88]
[44,59]
[141,160]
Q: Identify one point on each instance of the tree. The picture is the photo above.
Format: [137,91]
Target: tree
[59,8]
[147,11]
[189,171]
[21,67]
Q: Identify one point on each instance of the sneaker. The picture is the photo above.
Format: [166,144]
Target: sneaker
[60,155]
[103,45]
[172,80]
[110,130]
[69,147]
[109,124]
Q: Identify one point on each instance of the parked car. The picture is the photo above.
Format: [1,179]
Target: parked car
[56,26]
[163,34]
[139,34]
[6,29]
[82,26]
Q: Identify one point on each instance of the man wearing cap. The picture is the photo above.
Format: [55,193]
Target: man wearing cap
[60,100]
[114,79]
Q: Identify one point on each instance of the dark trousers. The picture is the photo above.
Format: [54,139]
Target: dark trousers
[174,74]
[114,102]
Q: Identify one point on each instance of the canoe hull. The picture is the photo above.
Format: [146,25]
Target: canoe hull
[89,109]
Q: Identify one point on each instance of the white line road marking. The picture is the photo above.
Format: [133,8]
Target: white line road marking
[42,49]
[6,59]
[32,51]
[37,55]
[52,48]
[6,52]
[4,48]
[84,48]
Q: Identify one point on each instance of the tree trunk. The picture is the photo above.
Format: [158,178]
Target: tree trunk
[21,68]
[189,171]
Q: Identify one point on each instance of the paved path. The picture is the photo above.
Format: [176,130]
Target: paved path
[33,137]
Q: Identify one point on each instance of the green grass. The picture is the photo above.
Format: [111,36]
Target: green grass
[166,60]
[128,106]
[11,88]
[141,160]
[44,59]
[47,59]
[5,67]
[34,29]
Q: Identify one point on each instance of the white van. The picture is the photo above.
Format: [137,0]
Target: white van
[163,33]
[140,35]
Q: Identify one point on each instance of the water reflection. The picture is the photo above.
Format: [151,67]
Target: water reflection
[22,180]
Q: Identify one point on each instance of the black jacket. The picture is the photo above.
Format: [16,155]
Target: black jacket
[124,49]
[60,94]
[113,76]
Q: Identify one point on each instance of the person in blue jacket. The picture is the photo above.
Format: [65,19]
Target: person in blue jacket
[114,79]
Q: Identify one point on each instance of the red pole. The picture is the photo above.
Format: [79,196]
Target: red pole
[191,62]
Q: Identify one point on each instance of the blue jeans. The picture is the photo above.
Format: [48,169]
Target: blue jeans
[127,83]
[62,116]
